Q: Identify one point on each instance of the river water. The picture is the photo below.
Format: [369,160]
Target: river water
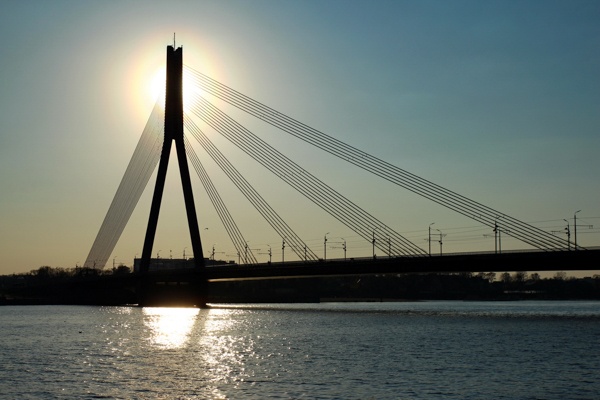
[413,350]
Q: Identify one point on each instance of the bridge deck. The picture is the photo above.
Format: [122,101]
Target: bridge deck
[482,262]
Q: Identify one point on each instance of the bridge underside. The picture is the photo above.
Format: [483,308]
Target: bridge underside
[190,287]
[527,261]
[587,260]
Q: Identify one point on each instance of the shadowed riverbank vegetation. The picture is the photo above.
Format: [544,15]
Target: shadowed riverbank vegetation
[118,286]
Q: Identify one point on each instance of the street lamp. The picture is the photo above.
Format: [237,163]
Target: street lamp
[268,252]
[344,247]
[430,238]
[282,251]
[497,237]
[373,241]
[568,229]
[325,247]
[575,226]
[441,243]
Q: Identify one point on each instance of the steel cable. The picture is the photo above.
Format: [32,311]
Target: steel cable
[465,206]
[139,170]
[227,220]
[267,212]
[317,191]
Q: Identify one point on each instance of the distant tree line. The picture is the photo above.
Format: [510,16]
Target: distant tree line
[57,273]
[48,285]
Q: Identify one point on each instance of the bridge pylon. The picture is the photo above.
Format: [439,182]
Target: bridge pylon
[173,132]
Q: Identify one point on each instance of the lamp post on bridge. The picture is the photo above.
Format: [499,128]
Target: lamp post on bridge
[430,238]
[269,253]
[575,227]
[568,229]
[325,247]
[373,241]
[282,251]
[497,236]
[441,242]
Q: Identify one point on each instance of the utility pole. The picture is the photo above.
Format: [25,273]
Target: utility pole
[575,227]
[496,235]
[441,243]
[429,240]
[269,253]
[568,229]
[373,241]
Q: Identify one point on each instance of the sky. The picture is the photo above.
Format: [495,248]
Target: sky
[497,100]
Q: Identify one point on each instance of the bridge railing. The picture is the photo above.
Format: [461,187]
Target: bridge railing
[386,258]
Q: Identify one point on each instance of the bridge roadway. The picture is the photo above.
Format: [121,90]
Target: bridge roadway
[184,287]
[529,261]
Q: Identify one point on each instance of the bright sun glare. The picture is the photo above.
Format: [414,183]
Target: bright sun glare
[170,327]
[158,86]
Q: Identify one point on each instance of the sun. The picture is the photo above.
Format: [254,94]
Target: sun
[157,88]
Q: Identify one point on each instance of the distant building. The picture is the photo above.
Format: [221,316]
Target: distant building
[162,264]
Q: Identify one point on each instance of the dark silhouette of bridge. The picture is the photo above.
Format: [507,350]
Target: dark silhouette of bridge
[167,127]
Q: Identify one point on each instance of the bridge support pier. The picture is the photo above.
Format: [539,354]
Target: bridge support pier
[166,290]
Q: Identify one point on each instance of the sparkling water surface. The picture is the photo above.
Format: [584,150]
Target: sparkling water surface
[412,350]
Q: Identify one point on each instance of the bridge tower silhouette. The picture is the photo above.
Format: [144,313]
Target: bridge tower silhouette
[150,292]
[173,132]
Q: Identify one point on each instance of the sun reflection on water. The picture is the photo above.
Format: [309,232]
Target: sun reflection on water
[170,328]
[227,347]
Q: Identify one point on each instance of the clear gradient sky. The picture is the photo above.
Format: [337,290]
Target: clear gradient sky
[496,100]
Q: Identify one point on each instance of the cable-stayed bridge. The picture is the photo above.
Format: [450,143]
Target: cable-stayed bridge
[166,125]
